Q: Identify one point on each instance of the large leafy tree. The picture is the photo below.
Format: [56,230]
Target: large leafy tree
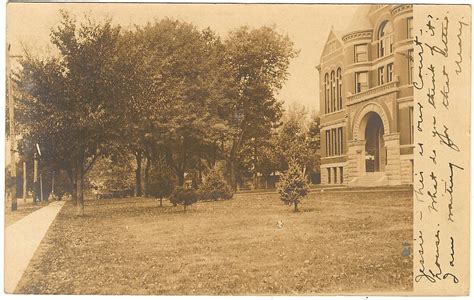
[257,61]
[162,91]
[139,100]
[183,107]
[69,102]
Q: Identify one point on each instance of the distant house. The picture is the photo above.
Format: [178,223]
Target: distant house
[366,97]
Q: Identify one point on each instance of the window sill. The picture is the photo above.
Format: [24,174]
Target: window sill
[333,112]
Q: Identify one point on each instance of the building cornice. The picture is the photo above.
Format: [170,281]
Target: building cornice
[357,35]
[405,99]
[397,9]
[333,164]
[334,123]
[333,113]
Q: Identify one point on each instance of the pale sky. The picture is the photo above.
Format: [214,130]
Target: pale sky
[306,25]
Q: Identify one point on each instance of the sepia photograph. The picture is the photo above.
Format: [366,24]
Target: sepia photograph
[225,149]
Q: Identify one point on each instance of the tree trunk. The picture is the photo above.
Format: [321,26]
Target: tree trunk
[138,175]
[181,179]
[200,168]
[214,155]
[233,157]
[233,182]
[296,206]
[73,179]
[161,201]
[180,175]
[74,191]
[80,190]
[185,207]
[25,191]
[52,185]
[147,173]
[182,165]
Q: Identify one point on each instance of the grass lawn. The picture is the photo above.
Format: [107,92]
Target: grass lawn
[340,242]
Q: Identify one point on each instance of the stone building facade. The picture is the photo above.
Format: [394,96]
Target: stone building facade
[366,99]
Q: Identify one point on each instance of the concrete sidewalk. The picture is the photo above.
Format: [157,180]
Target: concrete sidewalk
[22,238]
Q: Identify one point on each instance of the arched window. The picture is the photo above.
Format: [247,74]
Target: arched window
[326,92]
[339,88]
[333,91]
[385,37]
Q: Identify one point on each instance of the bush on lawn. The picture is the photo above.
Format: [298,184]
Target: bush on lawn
[214,187]
[183,196]
[161,181]
[293,186]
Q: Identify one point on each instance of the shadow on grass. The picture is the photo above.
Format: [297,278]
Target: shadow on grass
[218,200]
[308,209]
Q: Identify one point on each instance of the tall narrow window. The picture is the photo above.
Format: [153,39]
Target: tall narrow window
[335,174]
[410,28]
[326,92]
[361,82]
[329,175]
[390,72]
[333,136]
[328,147]
[333,91]
[341,175]
[360,53]
[385,37]
[341,141]
[410,66]
[411,122]
[339,87]
[381,72]
[331,146]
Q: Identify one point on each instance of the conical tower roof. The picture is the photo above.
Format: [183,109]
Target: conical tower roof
[360,19]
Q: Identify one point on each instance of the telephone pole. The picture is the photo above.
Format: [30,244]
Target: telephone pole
[35,178]
[25,183]
[11,111]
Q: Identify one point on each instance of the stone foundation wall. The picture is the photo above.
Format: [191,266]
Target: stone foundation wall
[392,169]
[354,152]
[324,173]
[406,170]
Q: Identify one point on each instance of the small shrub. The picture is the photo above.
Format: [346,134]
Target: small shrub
[214,187]
[293,186]
[183,196]
[161,181]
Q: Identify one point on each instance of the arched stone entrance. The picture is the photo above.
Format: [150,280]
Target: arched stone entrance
[374,144]
[374,152]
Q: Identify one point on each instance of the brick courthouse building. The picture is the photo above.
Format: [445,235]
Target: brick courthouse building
[366,99]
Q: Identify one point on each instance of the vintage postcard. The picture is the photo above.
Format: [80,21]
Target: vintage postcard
[237,149]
